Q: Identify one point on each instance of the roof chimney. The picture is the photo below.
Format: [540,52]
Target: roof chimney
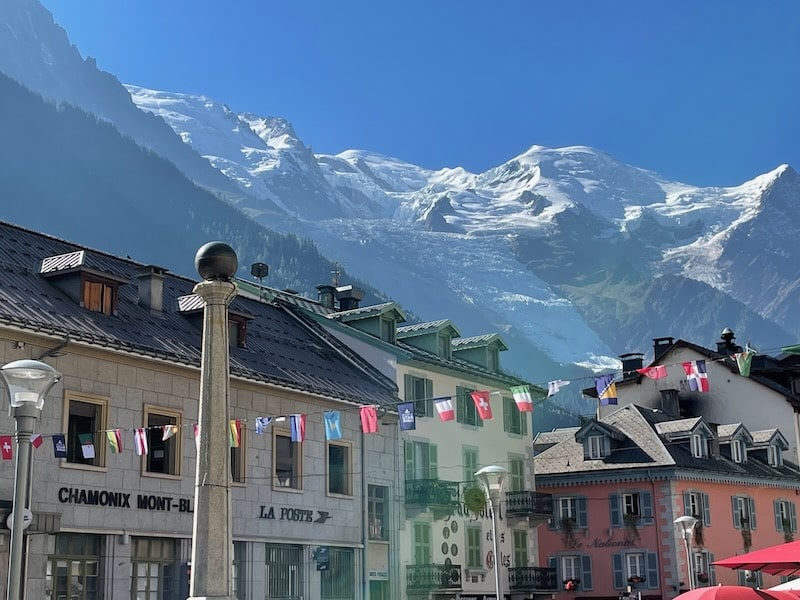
[151,288]
[325,295]
[631,362]
[726,345]
[660,346]
[349,297]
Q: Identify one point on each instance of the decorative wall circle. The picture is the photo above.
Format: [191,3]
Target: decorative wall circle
[454,550]
[446,532]
[444,547]
[454,526]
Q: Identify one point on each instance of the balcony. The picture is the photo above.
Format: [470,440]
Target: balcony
[441,497]
[423,578]
[532,579]
[537,507]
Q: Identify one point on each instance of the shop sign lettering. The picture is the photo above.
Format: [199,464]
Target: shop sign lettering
[289,513]
[112,499]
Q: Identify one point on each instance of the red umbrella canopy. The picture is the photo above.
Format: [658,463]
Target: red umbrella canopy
[783,559]
[735,592]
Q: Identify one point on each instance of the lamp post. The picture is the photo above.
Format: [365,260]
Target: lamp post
[686,525]
[492,479]
[212,541]
[28,382]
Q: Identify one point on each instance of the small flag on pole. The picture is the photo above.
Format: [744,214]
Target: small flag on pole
[36,440]
[369,419]
[114,440]
[444,406]
[481,399]
[297,425]
[140,441]
[522,396]
[333,425]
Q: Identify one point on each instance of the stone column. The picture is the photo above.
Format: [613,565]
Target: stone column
[212,536]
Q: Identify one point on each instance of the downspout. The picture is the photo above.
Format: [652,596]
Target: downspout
[662,584]
[364,518]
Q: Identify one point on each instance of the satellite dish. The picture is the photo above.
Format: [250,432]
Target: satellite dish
[474,499]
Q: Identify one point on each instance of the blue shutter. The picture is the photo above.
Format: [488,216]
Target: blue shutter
[460,408]
[586,572]
[792,516]
[652,570]
[582,520]
[752,513]
[613,504]
[506,414]
[409,448]
[553,522]
[428,398]
[552,561]
[619,576]
[523,418]
[776,509]
[706,510]
[647,508]
[686,498]
[737,522]
[712,570]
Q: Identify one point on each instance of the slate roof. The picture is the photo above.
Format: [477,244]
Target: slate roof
[647,446]
[477,341]
[283,347]
[428,326]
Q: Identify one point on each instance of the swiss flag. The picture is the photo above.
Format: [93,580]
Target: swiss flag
[5,447]
[482,404]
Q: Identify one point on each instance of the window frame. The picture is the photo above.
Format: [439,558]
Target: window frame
[100,403]
[699,445]
[296,458]
[473,537]
[419,390]
[466,411]
[631,504]
[519,545]
[595,445]
[570,565]
[108,300]
[470,459]
[347,473]
[738,451]
[637,560]
[516,473]
[514,420]
[173,445]
[164,562]
[378,512]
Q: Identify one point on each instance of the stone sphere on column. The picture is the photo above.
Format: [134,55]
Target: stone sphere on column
[216,261]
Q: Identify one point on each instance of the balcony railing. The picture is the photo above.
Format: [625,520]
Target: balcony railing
[429,577]
[432,493]
[529,504]
[532,579]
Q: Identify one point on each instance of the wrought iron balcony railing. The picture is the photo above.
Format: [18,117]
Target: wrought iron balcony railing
[529,504]
[532,579]
[429,577]
[432,492]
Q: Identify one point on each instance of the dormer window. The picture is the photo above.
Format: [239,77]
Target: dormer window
[98,295]
[774,456]
[444,346]
[388,330]
[738,451]
[596,446]
[493,359]
[237,331]
[699,446]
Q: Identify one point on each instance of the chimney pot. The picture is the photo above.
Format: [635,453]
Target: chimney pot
[349,297]
[325,295]
[151,288]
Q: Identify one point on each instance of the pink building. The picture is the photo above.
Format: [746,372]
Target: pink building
[620,482]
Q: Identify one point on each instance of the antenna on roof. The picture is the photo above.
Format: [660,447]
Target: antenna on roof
[259,270]
[335,274]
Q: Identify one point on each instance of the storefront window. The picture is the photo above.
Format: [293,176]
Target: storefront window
[73,572]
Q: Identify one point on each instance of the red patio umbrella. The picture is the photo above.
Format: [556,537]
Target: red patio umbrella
[735,592]
[783,559]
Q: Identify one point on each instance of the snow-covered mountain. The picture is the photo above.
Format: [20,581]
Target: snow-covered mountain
[425,235]
[571,255]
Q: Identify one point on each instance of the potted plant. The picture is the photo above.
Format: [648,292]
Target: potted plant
[634,579]
[702,577]
[697,533]
[747,535]
[788,535]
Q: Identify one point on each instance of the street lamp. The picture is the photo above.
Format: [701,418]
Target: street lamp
[28,382]
[686,525]
[492,479]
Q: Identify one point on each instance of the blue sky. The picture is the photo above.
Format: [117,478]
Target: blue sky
[705,92]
